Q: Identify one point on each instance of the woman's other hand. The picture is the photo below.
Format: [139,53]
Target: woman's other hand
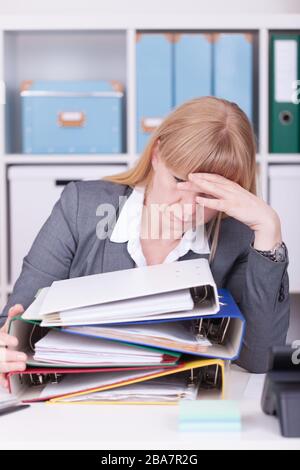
[10,360]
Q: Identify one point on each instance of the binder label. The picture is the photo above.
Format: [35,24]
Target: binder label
[285,70]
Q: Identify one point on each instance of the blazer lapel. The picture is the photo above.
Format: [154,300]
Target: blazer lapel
[115,255]
[192,255]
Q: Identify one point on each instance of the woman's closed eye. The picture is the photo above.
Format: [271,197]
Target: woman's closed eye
[179,180]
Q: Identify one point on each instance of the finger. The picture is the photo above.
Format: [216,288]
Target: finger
[12,312]
[218,180]
[216,204]
[14,356]
[6,367]
[213,177]
[15,310]
[205,187]
[3,381]
[8,340]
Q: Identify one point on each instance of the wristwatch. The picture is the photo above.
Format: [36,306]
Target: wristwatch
[277,254]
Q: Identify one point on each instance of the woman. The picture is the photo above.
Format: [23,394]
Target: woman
[203,155]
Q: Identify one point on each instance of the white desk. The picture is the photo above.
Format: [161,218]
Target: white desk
[140,427]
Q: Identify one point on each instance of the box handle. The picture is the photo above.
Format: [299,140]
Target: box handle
[151,123]
[71,119]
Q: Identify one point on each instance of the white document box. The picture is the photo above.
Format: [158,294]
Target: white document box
[33,191]
[284,191]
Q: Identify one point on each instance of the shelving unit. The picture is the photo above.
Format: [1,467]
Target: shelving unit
[104,47]
[18,159]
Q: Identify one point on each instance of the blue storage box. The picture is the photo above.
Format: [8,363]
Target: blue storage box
[153,82]
[72,116]
[233,66]
[192,68]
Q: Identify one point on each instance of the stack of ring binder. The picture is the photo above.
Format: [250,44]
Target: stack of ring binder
[169,340]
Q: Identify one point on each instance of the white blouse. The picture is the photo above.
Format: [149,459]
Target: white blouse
[128,228]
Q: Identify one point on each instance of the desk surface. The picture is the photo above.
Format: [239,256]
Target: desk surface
[140,427]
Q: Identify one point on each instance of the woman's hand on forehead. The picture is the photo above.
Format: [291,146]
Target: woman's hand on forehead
[208,185]
[227,196]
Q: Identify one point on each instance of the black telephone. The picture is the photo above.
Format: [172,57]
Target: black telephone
[281,393]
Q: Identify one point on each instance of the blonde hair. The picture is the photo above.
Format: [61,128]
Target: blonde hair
[206,134]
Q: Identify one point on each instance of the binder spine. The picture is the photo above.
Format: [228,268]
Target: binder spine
[284,113]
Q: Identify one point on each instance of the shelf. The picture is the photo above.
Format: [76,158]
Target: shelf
[284,158]
[20,159]
[138,20]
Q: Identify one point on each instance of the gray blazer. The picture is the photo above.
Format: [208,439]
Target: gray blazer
[67,247]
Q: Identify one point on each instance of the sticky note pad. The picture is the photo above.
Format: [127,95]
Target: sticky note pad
[209,415]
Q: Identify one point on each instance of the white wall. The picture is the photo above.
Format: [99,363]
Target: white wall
[30,7]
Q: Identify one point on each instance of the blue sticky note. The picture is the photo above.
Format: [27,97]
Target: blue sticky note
[209,415]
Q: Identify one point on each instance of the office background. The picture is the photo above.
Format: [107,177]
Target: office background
[93,40]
